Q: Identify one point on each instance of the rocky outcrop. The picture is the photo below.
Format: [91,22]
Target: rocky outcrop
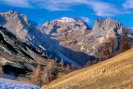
[63,25]
[19,30]
[108,37]
[11,45]
[65,29]
[14,21]
[16,56]
[22,28]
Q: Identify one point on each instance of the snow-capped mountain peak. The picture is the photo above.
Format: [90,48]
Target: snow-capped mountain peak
[66,20]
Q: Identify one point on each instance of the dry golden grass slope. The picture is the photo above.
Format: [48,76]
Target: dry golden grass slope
[115,73]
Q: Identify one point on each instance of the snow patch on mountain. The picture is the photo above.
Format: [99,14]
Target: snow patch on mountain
[66,19]
[11,84]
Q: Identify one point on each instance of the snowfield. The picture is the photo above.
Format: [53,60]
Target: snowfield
[11,84]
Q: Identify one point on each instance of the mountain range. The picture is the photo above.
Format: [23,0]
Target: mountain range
[24,44]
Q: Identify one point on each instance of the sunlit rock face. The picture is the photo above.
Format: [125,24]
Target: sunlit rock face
[14,22]
[19,25]
[107,38]
[63,25]
[23,31]
[67,31]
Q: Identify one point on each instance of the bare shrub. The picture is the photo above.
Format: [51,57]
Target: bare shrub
[1,70]
[36,77]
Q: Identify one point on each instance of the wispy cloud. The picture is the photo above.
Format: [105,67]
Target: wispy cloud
[17,3]
[86,19]
[128,4]
[99,7]
[105,9]
[59,5]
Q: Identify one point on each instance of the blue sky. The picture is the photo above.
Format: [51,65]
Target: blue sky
[88,10]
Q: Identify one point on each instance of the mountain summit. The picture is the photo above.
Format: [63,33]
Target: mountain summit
[63,25]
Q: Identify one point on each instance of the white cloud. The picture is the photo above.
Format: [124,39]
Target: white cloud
[99,7]
[17,3]
[55,5]
[86,19]
[104,9]
[128,4]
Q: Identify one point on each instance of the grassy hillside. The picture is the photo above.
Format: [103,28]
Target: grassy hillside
[115,73]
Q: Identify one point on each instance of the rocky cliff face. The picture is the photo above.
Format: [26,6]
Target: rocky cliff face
[108,37]
[15,56]
[22,28]
[20,43]
[18,24]
[64,25]
[66,30]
